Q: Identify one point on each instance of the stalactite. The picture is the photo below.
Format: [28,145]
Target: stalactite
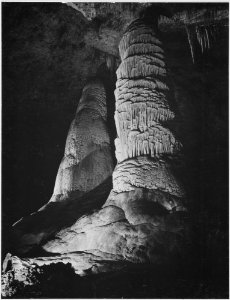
[201,34]
[190,43]
[207,36]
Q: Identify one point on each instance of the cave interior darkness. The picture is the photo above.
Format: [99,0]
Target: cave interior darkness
[45,64]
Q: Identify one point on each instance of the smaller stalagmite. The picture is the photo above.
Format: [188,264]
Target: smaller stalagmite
[87,161]
[87,164]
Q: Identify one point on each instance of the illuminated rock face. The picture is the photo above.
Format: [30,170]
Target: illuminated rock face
[87,161]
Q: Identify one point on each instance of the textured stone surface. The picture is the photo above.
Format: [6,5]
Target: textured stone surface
[146,173]
[178,12]
[109,231]
[106,40]
[46,278]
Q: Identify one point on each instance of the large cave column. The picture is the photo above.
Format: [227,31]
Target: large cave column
[144,143]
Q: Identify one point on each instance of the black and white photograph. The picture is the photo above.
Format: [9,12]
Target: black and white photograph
[115,150]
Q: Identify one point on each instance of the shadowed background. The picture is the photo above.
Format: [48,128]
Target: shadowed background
[45,65]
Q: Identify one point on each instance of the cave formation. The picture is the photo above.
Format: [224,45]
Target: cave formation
[122,207]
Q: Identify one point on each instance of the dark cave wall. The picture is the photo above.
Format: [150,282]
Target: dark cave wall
[200,92]
[45,66]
